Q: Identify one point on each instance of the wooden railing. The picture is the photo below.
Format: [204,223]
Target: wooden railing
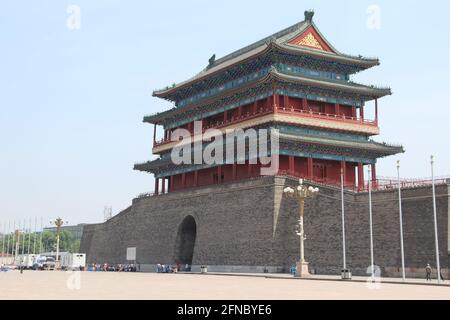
[268,110]
[328,116]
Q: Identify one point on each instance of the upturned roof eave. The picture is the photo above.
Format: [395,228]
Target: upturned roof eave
[165,93]
[278,40]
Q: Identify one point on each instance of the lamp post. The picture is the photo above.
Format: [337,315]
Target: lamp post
[58,222]
[438,265]
[401,220]
[301,193]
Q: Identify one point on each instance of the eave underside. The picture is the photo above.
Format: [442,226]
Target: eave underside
[298,87]
[319,148]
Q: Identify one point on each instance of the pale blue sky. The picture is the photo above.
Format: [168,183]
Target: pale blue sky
[72,102]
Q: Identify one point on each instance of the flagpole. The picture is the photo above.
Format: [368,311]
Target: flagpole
[40,237]
[35,235]
[13,245]
[3,242]
[435,222]
[24,230]
[401,221]
[29,237]
[371,222]
[9,237]
[344,257]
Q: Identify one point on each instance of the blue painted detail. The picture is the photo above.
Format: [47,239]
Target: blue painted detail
[240,103]
[288,69]
[327,156]
[301,95]
[295,70]
[227,86]
[321,134]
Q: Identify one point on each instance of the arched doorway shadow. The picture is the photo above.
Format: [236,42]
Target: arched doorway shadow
[185,242]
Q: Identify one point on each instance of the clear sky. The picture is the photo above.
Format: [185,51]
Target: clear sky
[72,101]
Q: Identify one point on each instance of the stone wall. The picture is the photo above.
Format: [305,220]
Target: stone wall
[248,226]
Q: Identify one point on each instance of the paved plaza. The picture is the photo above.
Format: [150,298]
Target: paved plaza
[113,285]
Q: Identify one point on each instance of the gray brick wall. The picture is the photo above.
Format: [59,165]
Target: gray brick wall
[250,223]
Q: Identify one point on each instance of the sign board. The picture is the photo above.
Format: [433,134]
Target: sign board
[131,254]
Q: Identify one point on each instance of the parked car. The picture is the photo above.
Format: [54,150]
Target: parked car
[44,263]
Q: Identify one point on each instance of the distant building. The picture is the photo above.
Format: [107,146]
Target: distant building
[75,231]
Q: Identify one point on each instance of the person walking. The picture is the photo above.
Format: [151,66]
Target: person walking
[428,271]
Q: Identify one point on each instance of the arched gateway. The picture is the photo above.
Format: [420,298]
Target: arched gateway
[185,243]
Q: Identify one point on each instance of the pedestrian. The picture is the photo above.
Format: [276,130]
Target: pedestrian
[428,271]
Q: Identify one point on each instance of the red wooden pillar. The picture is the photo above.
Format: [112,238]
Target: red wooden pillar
[360,176]
[291,165]
[239,112]
[361,113]
[163,187]
[169,187]
[310,168]
[277,101]
[196,178]
[354,112]
[286,102]
[191,127]
[274,103]
[219,174]
[234,171]
[374,176]
[183,180]
[304,104]
[376,111]
[344,171]
[156,186]
[269,103]
[337,109]
[249,169]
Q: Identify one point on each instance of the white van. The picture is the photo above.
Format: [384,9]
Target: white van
[73,261]
[25,261]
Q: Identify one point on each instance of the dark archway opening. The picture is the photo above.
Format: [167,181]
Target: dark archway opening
[185,243]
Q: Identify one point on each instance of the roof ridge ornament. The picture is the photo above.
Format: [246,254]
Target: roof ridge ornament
[212,60]
[309,14]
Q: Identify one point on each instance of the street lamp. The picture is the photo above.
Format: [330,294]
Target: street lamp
[58,223]
[301,193]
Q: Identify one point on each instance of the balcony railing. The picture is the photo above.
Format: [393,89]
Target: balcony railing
[268,110]
[328,116]
[381,184]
